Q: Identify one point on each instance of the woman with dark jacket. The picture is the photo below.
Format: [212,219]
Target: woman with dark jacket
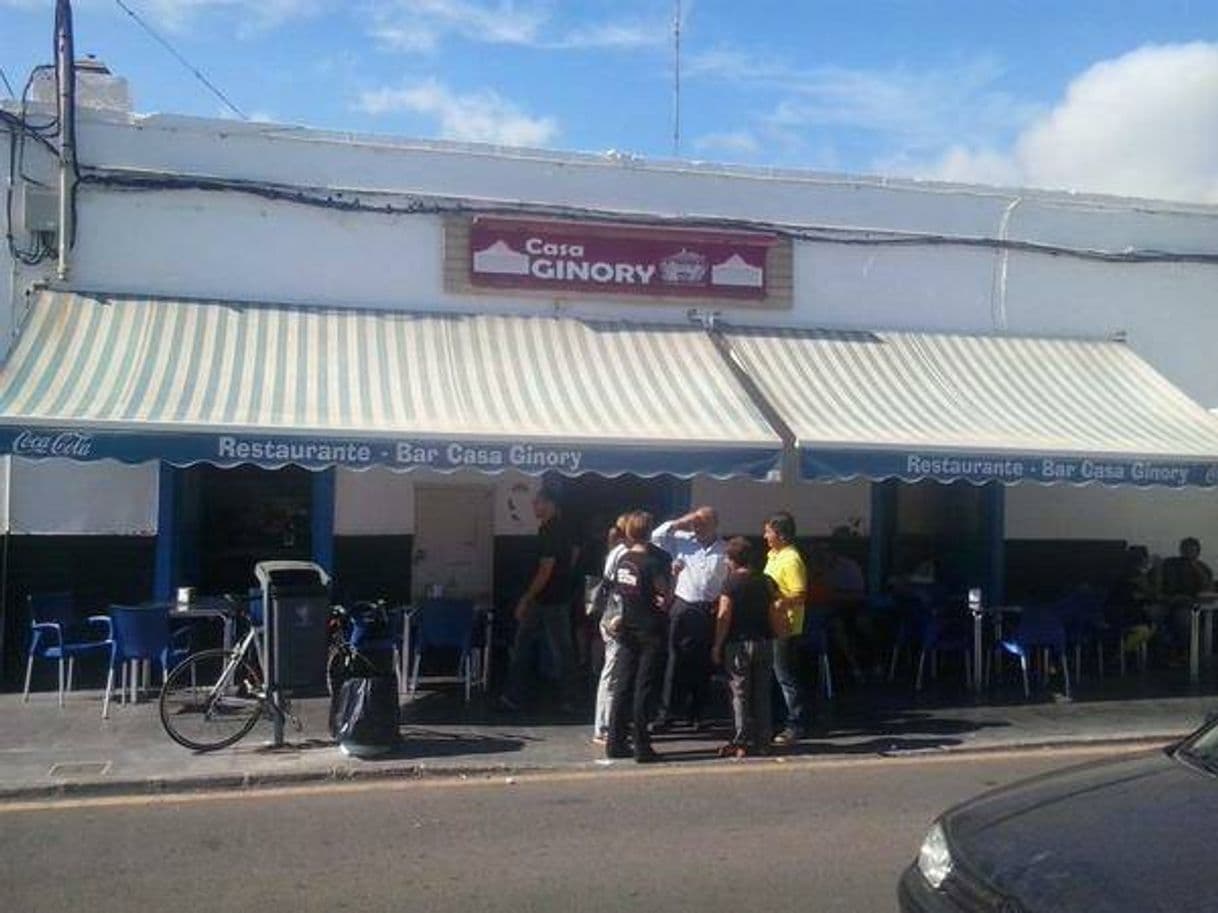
[644,582]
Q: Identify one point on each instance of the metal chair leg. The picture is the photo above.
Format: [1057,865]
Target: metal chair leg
[921,666]
[1066,675]
[29,671]
[414,679]
[61,682]
[968,670]
[71,670]
[1023,666]
[827,671]
[1078,662]
[1099,658]
[892,665]
[465,666]
[109,687]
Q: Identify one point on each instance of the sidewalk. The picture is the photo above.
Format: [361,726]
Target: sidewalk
[48,751]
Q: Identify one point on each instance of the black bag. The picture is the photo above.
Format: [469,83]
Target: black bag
[604,602]
[364,715]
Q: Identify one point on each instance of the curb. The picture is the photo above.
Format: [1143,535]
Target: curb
[268,780]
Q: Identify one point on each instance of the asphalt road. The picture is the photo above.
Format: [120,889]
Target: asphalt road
[777,837]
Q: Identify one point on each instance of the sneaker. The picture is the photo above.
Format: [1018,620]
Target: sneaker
[788,736]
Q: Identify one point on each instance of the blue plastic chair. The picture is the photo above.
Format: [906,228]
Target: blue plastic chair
[1082,616]
[54,631]
[446,624]
[945,632]
[815,640]
[1039,628]
[142,634]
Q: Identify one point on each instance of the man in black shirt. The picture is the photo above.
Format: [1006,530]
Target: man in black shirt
[545,606]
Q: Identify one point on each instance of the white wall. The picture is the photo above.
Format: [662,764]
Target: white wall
[60,497]
[1156,518]
[382,503]
[744,505]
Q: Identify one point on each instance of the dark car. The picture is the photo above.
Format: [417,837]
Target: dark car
[1135,835]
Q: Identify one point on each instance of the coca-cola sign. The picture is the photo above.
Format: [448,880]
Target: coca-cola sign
[617,259]
[37,443]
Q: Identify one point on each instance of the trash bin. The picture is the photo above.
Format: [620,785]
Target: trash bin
[296,597]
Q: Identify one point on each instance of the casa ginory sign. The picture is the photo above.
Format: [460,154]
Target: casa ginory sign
[617,259]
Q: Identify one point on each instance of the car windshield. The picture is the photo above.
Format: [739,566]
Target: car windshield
[1203,747]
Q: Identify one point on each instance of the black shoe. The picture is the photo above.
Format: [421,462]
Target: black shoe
[663,724]
[506,704]
[648,757]
[617,752]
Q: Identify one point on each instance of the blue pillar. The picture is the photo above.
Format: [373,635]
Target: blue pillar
[883,515]
[323,519]
[995,518]
[165,573]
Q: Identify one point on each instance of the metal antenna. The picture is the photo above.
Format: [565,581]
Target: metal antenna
[676,79]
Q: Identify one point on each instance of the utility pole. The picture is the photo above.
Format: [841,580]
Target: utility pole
[676,79]
[65,78]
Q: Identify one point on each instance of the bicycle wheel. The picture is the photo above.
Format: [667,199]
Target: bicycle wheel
[211,700]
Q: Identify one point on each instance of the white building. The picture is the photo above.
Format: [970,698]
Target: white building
[361,254]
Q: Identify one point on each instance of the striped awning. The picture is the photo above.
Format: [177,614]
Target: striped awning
[914,406]
[134,379]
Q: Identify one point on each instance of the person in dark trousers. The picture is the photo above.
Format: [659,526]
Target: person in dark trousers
[545,606]
[785,566]
[643,578]
[743,647]
[699,568]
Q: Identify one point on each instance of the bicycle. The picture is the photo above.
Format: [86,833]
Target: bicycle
[213,698]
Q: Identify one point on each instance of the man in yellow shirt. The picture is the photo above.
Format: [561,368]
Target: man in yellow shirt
[785,566]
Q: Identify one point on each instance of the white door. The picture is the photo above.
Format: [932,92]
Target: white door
[453,540]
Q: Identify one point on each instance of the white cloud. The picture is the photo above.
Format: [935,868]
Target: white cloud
[423,25]
[729,142]
[483,116]
[1143,124]
[913,111]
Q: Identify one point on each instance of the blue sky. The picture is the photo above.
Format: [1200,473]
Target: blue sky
[1076,93]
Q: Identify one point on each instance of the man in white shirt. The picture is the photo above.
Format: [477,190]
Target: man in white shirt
[700,569]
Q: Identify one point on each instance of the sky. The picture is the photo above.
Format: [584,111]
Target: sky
[1113,97]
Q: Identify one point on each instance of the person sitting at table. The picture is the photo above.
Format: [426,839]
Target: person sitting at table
[1127,608]
[1181,580]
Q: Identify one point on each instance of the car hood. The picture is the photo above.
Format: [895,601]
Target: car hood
[1127,835]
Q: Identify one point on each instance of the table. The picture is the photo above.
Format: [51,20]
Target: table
[980,677]
[201,608]
[1207,605]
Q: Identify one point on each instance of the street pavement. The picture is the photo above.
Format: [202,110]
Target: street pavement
[810,835]
[45,749]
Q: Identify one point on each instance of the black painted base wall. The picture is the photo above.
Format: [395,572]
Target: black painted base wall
[98,570]
[373,567]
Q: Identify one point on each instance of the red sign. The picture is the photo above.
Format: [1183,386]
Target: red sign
[617,259]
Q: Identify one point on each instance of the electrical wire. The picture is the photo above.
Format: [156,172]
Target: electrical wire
[156,36]
[8,85]
[415,204]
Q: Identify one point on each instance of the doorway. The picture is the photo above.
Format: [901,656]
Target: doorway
[453,541]
[230,519]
